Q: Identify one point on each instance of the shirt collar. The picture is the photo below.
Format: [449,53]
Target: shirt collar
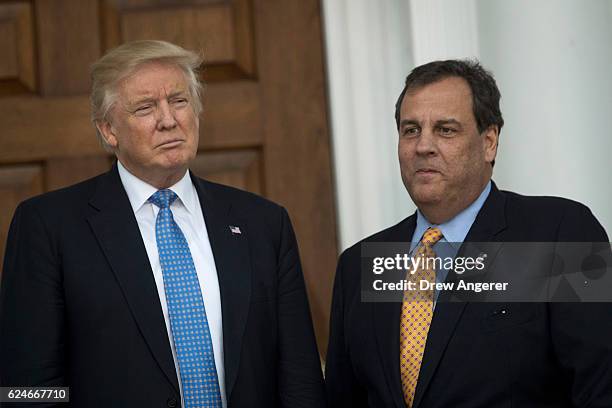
[139,191]
[456,229]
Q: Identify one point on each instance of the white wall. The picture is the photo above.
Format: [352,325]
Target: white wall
[442,29]
[553,63]
[551,59]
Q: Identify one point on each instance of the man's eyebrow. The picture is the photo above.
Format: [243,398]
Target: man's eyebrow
[141,100]
[449,121]
[149,98]
[406,122]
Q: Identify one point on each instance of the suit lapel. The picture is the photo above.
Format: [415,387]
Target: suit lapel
[386,323]
[489,222]
[116,229]
[232,260]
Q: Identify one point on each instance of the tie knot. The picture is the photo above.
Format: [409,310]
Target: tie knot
[163,198]
[431,236]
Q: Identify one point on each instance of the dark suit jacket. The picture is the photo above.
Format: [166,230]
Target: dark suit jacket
[79,305]
[534,355]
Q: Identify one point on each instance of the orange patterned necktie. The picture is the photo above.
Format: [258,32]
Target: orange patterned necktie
[417,312]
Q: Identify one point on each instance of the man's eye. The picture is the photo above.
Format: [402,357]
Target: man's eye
[143,110]
[410,131]
[447,131]
[180,102]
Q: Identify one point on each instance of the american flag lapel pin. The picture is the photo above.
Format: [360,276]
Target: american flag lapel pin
[234,229]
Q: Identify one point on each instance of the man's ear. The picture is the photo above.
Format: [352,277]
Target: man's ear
[490,140]
[108,133]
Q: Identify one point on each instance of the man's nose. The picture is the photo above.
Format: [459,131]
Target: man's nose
[426,143]
[165,119]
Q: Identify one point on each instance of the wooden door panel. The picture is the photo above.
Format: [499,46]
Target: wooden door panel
[17,68]
[222,29]
[206,28]
[63,171]
[232,115]
[37,127]
[68,42]
[240,168]
[8,42]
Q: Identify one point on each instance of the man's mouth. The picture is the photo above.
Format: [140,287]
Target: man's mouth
[427,171]
[170,143]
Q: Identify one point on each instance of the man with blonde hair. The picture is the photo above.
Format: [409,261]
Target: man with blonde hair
[147,286]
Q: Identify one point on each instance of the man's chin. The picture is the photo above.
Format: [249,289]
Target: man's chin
[176,159]
[426,195]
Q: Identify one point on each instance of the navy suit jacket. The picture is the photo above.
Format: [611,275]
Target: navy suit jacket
[79,305]
[550,355]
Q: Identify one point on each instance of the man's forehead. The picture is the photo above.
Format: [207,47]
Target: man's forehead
[152,80]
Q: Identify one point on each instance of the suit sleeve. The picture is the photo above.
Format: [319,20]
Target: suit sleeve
[582,332]
[300,376]
[342,387]
[31,306]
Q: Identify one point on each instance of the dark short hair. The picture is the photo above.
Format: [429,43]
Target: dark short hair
[485,94]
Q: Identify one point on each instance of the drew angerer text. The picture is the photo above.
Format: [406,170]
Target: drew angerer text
[425,285]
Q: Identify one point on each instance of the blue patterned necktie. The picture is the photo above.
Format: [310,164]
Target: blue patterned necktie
[188,322]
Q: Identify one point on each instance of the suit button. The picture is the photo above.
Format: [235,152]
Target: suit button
[171,402]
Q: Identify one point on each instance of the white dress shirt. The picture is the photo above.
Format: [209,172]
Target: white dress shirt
[187,213]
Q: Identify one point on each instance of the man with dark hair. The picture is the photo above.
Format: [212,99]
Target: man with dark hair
[426,352]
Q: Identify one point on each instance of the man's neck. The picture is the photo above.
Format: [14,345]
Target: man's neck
[159,180]
[439,213]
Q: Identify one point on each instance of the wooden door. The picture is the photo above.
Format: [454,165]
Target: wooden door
[264,126]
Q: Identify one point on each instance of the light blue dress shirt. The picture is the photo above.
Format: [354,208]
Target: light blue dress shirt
[454,231]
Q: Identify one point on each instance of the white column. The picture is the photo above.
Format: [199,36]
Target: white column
[552,60]
[443,29]
[368,58]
